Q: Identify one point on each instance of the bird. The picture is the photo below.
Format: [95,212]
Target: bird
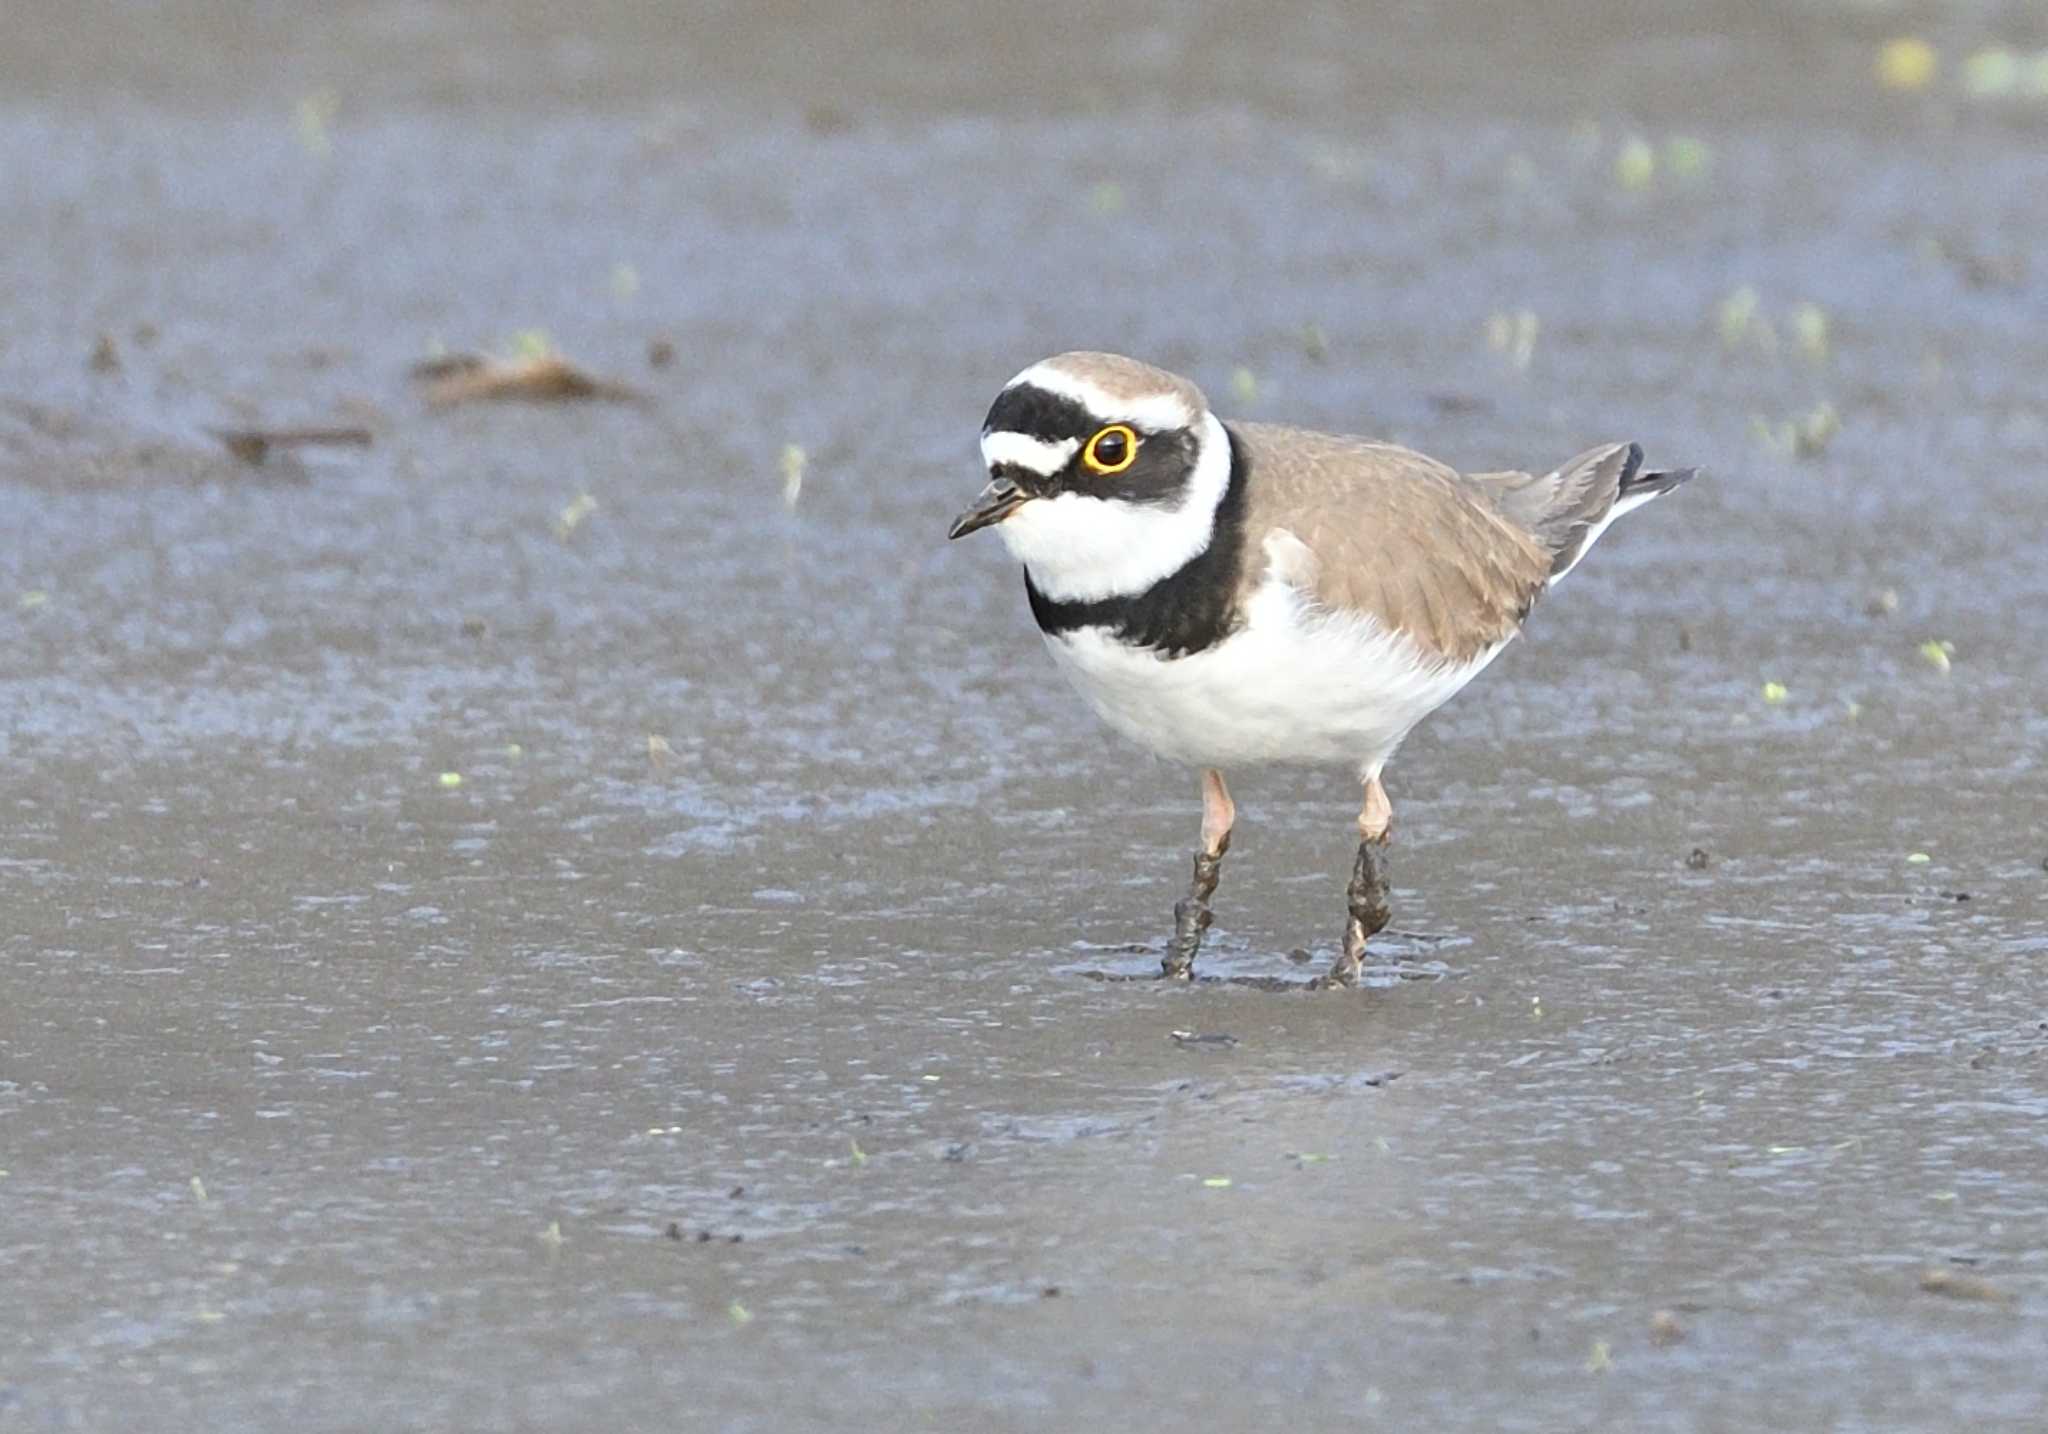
[1238,594]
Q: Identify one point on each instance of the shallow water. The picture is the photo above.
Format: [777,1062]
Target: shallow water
[337,1093]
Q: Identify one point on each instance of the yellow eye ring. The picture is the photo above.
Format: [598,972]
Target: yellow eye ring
[1121,444]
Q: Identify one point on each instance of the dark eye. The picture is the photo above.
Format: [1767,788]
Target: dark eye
[1112,450]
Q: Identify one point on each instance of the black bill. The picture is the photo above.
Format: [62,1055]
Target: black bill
[996,502]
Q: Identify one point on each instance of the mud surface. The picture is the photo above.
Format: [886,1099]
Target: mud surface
[754,1078]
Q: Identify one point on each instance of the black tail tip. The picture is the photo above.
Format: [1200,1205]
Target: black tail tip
[1633,481]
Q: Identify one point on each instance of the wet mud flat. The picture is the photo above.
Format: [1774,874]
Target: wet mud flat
[549,920]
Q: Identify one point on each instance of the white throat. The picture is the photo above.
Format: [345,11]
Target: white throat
[1083,549]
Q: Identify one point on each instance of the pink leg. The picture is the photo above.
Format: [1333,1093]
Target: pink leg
[1191,914]
[1368,894]
[1219,813]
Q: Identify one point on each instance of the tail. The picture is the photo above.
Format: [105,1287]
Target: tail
[1567,510]
[1637,488]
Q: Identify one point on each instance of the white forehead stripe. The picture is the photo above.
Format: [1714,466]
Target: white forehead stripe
[1155,412]
[1041,457]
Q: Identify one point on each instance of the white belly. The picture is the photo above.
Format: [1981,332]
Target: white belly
[1296,684]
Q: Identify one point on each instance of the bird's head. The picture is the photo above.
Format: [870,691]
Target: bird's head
[1103,474]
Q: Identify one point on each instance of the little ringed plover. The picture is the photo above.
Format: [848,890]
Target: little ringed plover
[1228,595]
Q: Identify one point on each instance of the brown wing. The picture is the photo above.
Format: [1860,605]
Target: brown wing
[1393,534]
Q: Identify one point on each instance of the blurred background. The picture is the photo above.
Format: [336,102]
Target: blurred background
[540,892]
